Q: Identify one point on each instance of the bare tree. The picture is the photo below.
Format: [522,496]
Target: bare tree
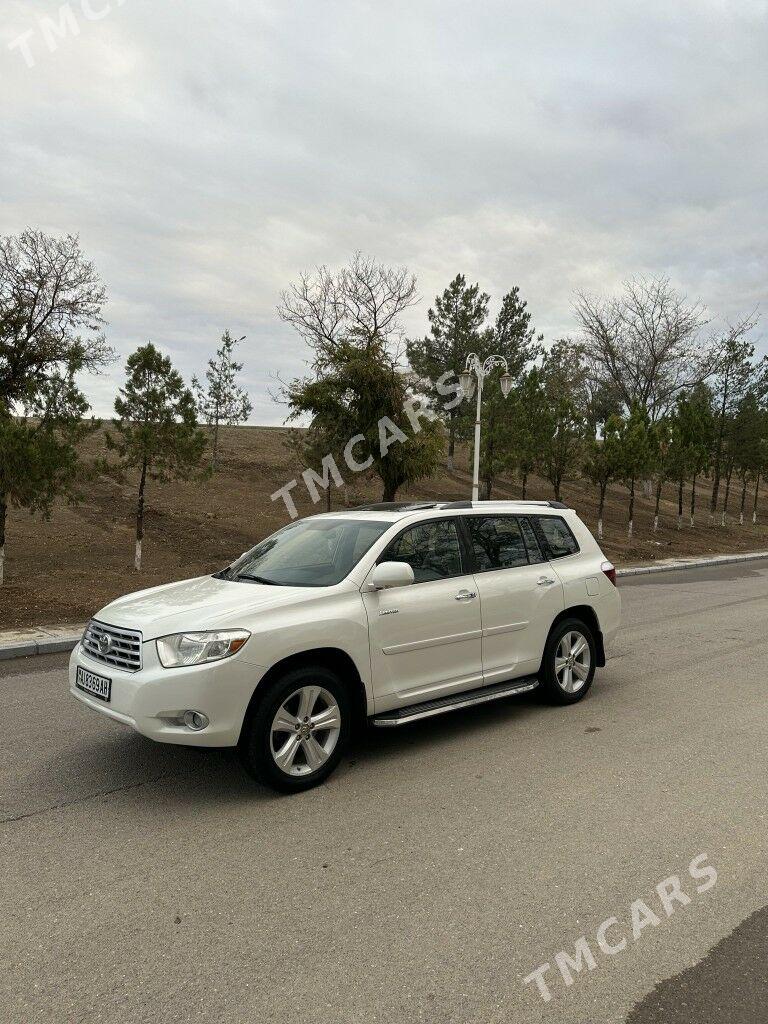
[644,344]
[360,304]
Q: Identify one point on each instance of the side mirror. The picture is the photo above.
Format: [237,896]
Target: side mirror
[391,574]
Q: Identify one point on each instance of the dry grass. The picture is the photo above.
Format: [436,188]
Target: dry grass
[63,570]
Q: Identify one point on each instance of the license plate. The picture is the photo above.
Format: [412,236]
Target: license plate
[95,685]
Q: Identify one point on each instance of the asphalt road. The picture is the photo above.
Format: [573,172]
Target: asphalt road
[439,866]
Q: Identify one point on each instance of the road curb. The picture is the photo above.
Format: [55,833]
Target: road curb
[692,563]
[55,644]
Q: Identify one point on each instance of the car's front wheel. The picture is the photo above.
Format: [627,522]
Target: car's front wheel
[568,665]
[298,731]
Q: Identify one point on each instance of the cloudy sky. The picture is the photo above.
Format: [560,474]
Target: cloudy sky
[207,153]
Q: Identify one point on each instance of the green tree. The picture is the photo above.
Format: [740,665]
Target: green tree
[749,433]
[513,338]
[632,437]
[601,467]
[455,329]
[564,382]
[51,299]
[364,398]
[156,427]
[735,374]
[220,399]
[528,425]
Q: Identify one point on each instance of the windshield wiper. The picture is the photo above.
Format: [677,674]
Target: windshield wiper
[258,579]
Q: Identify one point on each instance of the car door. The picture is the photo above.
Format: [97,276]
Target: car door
[520,595]
[425,638]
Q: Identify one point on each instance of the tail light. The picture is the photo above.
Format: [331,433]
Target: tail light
[610,571]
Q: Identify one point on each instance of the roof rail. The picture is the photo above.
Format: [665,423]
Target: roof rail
[395,506]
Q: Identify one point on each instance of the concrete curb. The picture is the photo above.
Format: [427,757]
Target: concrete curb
[691,563]
[29,642]
[57,639]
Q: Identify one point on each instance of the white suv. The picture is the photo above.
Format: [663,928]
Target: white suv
[391,612]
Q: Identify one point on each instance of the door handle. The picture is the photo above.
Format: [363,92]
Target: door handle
[466,595]
[544,581]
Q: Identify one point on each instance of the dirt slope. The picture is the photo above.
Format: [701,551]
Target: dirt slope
[65,569]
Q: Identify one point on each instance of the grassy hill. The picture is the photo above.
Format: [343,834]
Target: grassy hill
[65,569]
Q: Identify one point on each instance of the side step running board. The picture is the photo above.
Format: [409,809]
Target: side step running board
[403,716]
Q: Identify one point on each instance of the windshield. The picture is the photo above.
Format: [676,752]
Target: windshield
[310,553]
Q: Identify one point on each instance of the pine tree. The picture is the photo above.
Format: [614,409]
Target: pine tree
[455,324]
[156,428]
[513,338]
[221,400]
[632,437]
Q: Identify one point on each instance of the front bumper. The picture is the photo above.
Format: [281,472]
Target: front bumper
[153,700]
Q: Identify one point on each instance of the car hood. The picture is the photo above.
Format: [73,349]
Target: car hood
[197,604]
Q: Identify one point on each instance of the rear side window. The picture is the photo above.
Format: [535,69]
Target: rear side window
[557,536]
[497,542]
[535,554]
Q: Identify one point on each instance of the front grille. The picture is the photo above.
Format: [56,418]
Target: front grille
[112,645]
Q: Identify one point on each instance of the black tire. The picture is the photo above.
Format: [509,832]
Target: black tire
[256,743]
[553,683]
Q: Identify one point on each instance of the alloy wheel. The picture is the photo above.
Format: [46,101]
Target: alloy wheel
[305,730]
[572,661]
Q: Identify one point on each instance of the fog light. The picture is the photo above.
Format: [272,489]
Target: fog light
[195,720]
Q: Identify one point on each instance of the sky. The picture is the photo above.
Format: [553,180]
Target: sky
[207,153]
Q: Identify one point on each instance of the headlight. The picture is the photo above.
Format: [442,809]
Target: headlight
[198,648]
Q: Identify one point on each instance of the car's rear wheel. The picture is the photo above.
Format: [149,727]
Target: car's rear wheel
[568,665]
[298,731]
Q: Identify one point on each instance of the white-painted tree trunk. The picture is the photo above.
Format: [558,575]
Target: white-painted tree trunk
[754,518]
[2,564]
[655,524]
[630,529]
[137,557]
[722,518]
[741,518]
[599,529]
[679,522]
[693,521]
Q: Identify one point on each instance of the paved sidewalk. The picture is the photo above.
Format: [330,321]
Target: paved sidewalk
[22,643]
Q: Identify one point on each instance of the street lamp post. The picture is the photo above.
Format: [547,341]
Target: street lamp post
[476,368]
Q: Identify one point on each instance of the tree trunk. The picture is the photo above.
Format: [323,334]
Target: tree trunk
[3,517]
[680,486]
[727,493]
[389,492]
[754,507]
[140,516]
[743,499]
[718,454]
[488,488]
[631,524]
[656,509]
[556,486]
[451,438]
[693,500]
[215,451]
[525,484]
[600,509]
